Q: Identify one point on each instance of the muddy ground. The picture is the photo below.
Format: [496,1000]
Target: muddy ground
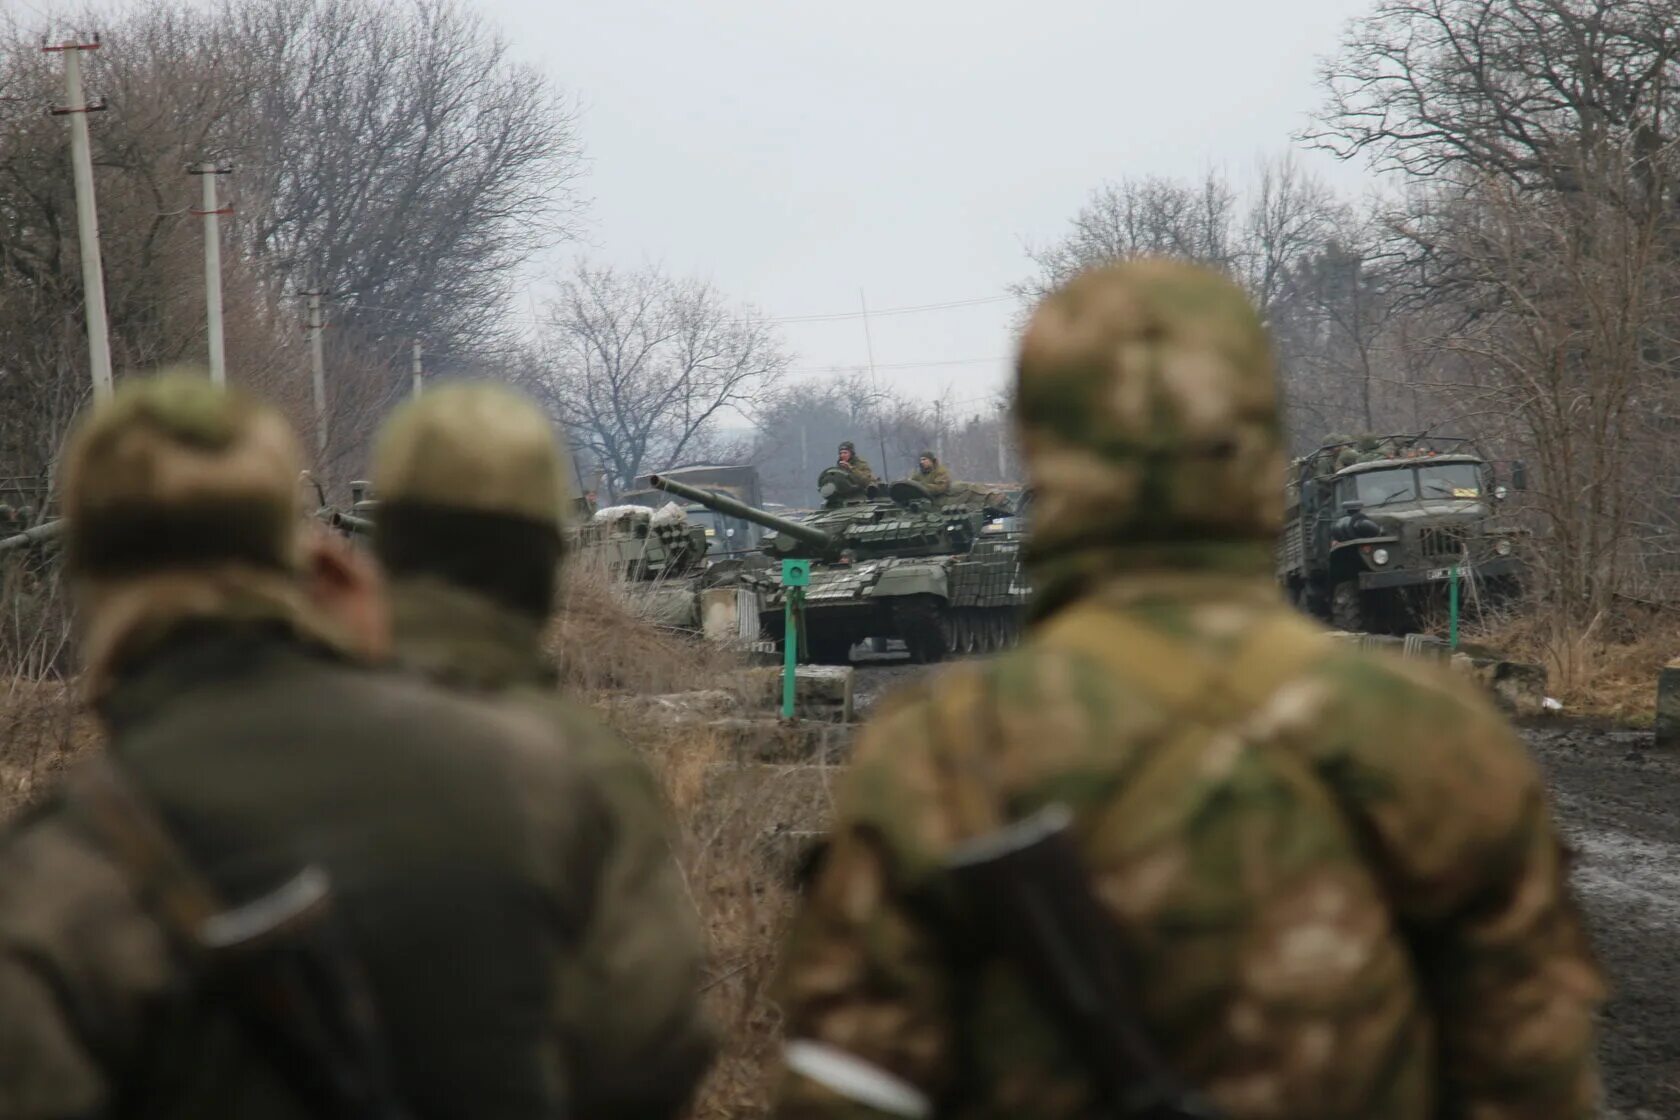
[1618,803]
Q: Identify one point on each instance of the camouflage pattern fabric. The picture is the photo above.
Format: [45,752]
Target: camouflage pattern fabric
[637,1038]
[1337,885]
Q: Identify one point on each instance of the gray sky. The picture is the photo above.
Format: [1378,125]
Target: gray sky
[794,153]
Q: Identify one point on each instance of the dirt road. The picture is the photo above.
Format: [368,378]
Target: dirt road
[1618,803]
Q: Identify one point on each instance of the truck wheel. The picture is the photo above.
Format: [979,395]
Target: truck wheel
[1347,608]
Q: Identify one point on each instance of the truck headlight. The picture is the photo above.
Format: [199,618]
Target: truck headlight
[1379,556]
[1502,546]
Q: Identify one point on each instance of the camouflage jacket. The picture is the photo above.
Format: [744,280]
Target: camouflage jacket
[1337,884]
[641,1041]
[463,853]
[859,469]
[936,481]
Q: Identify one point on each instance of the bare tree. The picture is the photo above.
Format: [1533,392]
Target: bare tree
[1254,238]
[642,369]
[1541,250]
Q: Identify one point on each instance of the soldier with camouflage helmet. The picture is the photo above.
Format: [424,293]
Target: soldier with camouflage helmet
[469,532]
[1332,879]
[293,886]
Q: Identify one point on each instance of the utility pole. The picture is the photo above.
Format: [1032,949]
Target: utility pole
[87,214]
[804,450]
[314,327]
[939,428]
[1003,465]
[869,348]
[211,214]
[416,367]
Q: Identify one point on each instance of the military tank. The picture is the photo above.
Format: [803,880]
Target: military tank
[942,575]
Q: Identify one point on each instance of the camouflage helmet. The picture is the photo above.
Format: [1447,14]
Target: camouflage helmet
[1147,406]
[1337,439]
[472,491]
[175,472]
[472,446]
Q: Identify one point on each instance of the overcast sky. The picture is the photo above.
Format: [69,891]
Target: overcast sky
[795,153]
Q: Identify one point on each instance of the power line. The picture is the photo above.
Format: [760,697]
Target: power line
[831,317]
[903,365]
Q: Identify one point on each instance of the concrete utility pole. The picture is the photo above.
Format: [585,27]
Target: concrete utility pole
[211,214]
[417,370]
[939,429]
[320,377]
[869,348]
[87,214]
[1003,465]
[804,451]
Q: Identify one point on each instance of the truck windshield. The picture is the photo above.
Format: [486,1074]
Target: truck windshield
[1450,480]
[1375,488]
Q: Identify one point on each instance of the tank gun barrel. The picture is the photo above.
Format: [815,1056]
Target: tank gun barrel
[40,534]
[815,538]
[349,522]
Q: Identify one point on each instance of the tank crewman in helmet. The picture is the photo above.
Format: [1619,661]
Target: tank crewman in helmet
[934,477]
[849,461]
[470,535]
[1332,880]
[292,886]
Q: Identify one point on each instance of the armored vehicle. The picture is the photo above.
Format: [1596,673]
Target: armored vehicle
[940,575]
[657,556]
[1370,538]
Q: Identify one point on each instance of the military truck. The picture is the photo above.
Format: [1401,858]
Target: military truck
[1371,538]
[941,575]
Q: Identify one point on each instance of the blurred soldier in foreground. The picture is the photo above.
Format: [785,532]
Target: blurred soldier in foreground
[932,474]
[1180,850]
[859,469]
[469,532]
[293,887]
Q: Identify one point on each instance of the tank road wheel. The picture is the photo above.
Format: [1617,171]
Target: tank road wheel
[1347,607]
[921,625]
[997,629]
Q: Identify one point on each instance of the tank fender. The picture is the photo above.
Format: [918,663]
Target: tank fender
[912,579]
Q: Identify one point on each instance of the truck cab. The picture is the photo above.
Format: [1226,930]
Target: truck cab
[1368,544]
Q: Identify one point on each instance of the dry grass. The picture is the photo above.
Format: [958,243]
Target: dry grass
[42,729]
[1609,672]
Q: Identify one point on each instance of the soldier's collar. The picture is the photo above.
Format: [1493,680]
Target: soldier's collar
[460,637]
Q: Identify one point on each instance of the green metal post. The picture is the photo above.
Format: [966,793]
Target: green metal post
[1452,610]
[790,647]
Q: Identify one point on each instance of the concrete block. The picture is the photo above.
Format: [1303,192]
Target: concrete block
[820,692]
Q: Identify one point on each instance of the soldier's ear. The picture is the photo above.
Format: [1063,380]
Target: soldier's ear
[345,585]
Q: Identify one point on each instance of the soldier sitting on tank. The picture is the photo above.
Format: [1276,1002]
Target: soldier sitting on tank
[932,475]
[857,467]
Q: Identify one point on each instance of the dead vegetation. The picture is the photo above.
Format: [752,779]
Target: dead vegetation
[1607,672]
